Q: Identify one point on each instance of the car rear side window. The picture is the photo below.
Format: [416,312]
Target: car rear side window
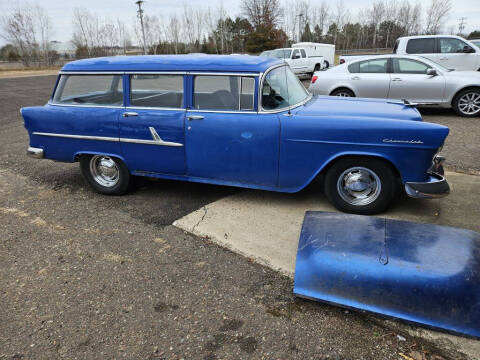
[223,92]
[408,66]
[421,46]
[304,55]
[156,90]
[375,66]
[103,90]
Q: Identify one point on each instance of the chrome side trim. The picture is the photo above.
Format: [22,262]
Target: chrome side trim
[153,108]
[222,73]
[104,138]
[84,137]
[86,105]
[35,153]
[91,72]
[223,111]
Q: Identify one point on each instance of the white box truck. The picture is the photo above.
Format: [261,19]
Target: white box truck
[319,49]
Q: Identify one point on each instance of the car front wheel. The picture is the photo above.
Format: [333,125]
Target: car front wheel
[467,103]
[360,185]
[105,174]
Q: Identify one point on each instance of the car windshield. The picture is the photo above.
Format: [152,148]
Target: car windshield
[281,89]
[475,42]
[281,53]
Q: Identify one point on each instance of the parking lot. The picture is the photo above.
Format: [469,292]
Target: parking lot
[88,276]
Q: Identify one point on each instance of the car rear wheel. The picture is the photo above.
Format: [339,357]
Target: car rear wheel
[327,64]
[105,174]
[360,185]
[343,93]
[467,103]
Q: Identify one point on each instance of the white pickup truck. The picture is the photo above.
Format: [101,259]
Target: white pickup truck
[302,61]
[452,52]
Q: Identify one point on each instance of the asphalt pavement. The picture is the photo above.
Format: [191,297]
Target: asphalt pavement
[85,276]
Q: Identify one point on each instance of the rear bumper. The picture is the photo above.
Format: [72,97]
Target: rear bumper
[435,187]
[35,153]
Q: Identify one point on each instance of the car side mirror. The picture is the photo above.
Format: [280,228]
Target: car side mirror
[468,49]
[432,72]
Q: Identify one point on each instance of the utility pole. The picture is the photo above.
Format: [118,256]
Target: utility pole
[140,15]
[461,25]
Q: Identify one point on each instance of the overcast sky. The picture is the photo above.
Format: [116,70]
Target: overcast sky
[61,11]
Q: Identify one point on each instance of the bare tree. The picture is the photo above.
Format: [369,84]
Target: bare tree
[262,12]
[44,29]
[436,14]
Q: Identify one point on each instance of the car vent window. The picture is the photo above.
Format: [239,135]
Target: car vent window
[156,90]
[103,90]
[408,66]
[373,66]
[216,92]
[248,93]
[421,46]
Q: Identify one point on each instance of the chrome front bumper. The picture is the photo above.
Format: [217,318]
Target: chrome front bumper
[435,187]
[35,153]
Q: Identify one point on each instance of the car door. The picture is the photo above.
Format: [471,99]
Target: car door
[305,61]
[453,56]
[296,62]
[226,139]
[370,78]
[410,81]
[152,132]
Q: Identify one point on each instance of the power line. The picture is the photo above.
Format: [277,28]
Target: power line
[140,16]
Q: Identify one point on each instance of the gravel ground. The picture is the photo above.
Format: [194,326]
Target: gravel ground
[84,276]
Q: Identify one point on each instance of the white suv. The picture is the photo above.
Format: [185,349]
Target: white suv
[453,52]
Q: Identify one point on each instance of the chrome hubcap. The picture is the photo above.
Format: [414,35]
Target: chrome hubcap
[104,170]
[469,103]
[359,186]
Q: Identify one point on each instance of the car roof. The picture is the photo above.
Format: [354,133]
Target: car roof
[207,63]
[431,36]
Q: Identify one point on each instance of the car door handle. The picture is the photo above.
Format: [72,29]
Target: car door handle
[128,114]
[396,79]
[195,117]
[355,78]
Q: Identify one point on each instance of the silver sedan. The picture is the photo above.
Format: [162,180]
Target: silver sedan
[402,77]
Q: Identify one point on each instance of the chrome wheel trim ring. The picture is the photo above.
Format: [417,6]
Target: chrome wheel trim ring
[343,94]
[469,103]
[359,186]
[104,170]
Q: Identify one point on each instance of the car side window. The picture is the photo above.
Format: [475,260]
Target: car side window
[156,90]
[103,90]
[409,66]
[223,92]
[377,66]
[296,54]
[450,45]
[304,55]
[421,46]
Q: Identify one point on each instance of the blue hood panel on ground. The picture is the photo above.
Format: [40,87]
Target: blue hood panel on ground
[423,273]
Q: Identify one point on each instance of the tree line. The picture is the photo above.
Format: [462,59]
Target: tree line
[261,25]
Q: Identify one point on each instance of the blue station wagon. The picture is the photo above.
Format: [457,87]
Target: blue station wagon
[242,121]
